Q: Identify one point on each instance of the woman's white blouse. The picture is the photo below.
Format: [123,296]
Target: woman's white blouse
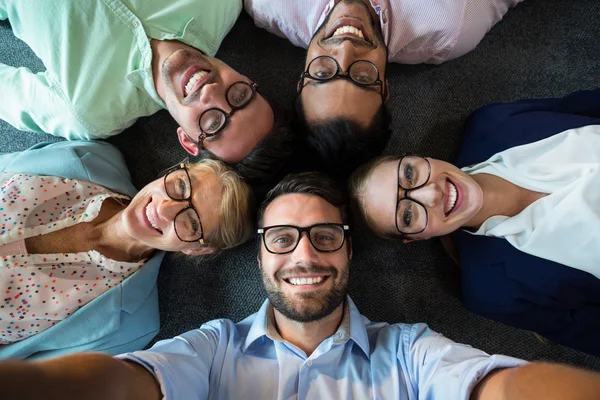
[39,290]
[563,226]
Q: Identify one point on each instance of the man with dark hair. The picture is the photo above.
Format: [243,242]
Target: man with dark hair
[342,144]
[343,90]
[269,155]
[307,341]
[110,62]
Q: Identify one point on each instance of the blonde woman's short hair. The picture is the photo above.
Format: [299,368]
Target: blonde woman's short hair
[358,186]
[237,209]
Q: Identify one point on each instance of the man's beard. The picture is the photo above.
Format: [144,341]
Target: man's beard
[311,306]
[374,23]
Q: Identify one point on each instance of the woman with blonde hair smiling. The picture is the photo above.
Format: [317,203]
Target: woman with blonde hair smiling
[80,247]
[524,212]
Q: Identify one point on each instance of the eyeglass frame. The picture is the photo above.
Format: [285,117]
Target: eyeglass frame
[339,75]
[307,229]
[203,135]
[405,194]
[183,165]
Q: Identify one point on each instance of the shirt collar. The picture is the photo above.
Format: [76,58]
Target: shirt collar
[352,327]
[192,35]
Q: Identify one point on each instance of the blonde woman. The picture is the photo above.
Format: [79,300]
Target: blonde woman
[80,249]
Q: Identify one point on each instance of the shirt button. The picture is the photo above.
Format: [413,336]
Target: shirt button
[309,363]
[135,24]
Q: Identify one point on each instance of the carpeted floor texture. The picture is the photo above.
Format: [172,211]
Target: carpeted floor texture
[542,48]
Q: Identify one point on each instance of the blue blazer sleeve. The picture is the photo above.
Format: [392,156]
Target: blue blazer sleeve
[503,283]
[126,317]
[93,161]
[515,288]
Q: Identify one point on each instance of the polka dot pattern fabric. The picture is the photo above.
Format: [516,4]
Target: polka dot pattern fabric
[38,291]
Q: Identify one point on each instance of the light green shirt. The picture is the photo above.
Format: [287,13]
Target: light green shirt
[98,77]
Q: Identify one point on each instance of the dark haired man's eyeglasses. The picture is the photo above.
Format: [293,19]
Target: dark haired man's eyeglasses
[214,120]
[362,73]
[178,187]
[283,239]
[411,216]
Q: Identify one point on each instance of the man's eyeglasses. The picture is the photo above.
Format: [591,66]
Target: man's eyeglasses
[325,68]
[283,239]
[411,216]
[178,187]
[214,120]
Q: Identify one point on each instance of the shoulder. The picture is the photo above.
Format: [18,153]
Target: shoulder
[94,161]
[403,337]
[290,19]
[421,31]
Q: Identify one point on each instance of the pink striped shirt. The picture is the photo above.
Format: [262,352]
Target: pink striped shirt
[415,31]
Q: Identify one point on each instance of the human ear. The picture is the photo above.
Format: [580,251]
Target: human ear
[198,251]
[186,143]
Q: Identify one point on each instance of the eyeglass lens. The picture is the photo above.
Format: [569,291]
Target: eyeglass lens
[413,172]
[238,95]
[361,72]
[187,222]
[411,217]
[323,237]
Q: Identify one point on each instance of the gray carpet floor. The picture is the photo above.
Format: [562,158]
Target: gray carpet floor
[542,48]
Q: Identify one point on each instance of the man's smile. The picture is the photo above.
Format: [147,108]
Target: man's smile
[308,281]
[348,27]
[193,80]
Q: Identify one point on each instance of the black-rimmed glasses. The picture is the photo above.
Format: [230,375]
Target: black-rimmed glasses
[411,216]
[325,68]
[282,239]
[178,187]
[214,120]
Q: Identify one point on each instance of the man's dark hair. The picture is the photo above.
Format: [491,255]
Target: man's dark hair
[340,144]
[315,183]
[270,154]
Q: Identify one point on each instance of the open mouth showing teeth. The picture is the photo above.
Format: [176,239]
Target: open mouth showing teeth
[452,197]
[348,30]
[306,281]
[193,79]
[151,218]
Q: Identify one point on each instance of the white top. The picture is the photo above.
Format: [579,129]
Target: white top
[414,31]
[39,290]
[563,226]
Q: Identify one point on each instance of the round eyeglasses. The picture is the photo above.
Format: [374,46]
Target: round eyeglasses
[178,187]
[214,120]
[411,216]
[283,239]
[325,68]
